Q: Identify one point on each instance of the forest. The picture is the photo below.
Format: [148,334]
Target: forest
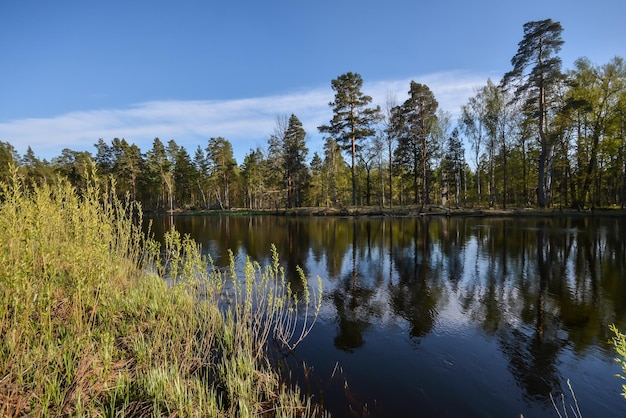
[540,137]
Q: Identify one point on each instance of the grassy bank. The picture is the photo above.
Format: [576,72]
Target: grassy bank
[98,320]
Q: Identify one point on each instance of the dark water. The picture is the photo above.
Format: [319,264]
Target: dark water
[460,317]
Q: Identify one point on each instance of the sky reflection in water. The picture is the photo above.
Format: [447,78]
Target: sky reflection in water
[451,317]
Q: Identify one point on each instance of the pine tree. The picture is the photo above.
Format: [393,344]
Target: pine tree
[160,179]
[318,185]
[185,176]
[332,164]
[74,165]
[294,161]
[352,121]
[454,162]
[275,164]
[127,166]
[413,123]
[36,170]
[104,157]
[201,166]
[222,165]
[253,176]
[536,71]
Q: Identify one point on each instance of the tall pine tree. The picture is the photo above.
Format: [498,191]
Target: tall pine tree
[413,123]
[294,160]
[352,121]
[536,71]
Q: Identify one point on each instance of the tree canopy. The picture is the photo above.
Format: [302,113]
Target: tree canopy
[541,137]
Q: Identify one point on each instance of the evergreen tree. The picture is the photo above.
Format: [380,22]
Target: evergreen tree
[332,164]
[104,157]
[352,121]
[275,164]
[36,170]
[454,163]
[318,186]
[160,178]
[172,151]
[222,167]
[127,166]
[185,176]
[74,165]
[536,71]
[8,155]
[201,166]
[253,176]
[413,124]
[294,161]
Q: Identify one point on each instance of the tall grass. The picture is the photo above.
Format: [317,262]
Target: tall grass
[97,320]
[618,341]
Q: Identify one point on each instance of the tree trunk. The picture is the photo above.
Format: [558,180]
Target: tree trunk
[590,169]
[219,199]
[390,178]
[425,191]
[352,172]
[504,186]
[204,199]
[541,190]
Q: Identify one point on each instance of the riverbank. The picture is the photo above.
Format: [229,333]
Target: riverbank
[409,211]
[99,320]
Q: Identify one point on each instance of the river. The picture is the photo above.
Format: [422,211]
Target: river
[446,317]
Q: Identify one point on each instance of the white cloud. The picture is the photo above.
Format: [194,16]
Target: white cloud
[451,89]
[246,123]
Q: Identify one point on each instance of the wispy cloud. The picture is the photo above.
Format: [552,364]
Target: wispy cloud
[246,123]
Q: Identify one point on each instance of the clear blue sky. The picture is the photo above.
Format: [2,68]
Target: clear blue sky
[75,71]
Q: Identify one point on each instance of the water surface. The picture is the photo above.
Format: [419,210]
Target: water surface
[447,317]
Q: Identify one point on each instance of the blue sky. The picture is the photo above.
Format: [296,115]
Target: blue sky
[75,71]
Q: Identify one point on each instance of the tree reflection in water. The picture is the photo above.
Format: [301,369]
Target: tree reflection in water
[533,350]
[414,297]
[533,296]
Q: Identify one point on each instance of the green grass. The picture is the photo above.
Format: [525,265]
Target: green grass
[98,320]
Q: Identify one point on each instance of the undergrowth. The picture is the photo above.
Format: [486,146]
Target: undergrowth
[98,320]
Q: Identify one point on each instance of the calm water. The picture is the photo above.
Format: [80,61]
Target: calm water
[460,317]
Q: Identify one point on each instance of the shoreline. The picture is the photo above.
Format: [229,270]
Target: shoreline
[404,211]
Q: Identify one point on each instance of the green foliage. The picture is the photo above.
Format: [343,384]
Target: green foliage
[535,76]
[254,178]
[538,138]
[159,177]
[352,120]
[619,343]
[594,114]
[98,321]
[413,124]
[222,167]
[286,173]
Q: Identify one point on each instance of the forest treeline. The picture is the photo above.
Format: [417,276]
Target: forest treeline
[541,136]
